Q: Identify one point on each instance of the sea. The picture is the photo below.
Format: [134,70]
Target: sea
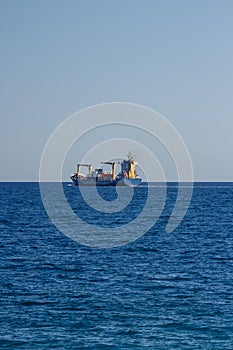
[160,291]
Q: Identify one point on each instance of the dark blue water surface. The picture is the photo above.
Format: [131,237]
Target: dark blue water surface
[163,291]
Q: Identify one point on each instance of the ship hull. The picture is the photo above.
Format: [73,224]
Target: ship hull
[93,183]
[129,182]
[121,182]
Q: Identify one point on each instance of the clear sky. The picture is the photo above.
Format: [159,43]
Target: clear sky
[174,56]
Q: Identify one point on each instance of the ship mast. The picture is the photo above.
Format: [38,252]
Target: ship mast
[129,155]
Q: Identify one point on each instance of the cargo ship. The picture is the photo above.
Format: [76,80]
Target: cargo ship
[98,177]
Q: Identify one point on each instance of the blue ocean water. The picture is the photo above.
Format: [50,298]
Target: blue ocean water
[163,291]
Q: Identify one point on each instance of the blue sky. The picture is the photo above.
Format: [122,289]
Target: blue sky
[58,57]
